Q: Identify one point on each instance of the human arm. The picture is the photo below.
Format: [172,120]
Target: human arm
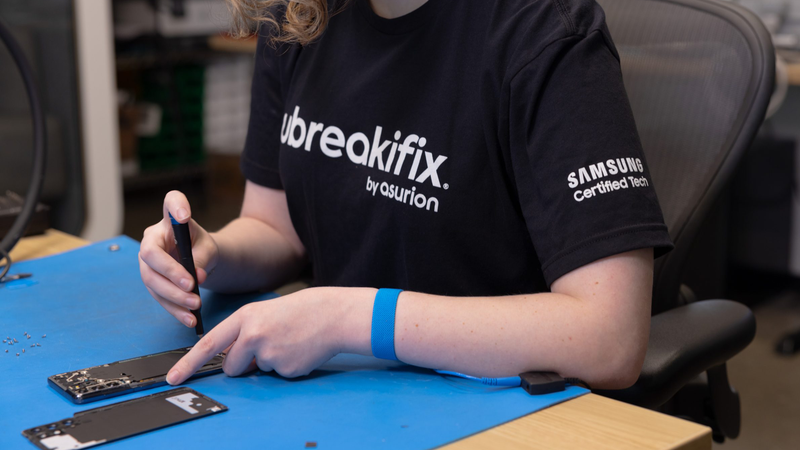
[593,326]
[258,250]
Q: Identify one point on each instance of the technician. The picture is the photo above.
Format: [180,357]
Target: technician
[480,155]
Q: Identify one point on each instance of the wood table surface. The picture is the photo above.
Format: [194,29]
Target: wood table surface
[793,73]
[587,422]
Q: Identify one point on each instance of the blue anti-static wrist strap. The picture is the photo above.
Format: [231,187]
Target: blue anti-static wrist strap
[383,312]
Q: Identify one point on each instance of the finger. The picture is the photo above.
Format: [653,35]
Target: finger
[206,348]
[201,275]
[203,246]
[161,262]
[167,290]
[238,359]
[196,231]
[182,314]
[159,236]
[176,204]
[261,365]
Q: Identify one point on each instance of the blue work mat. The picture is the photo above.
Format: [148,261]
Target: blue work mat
[94,309]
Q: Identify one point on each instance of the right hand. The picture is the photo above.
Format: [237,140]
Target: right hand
[165,278]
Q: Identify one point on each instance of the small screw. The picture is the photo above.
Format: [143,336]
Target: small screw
[38,344]
[113,247]
[33,345]
[17,354]
[16,341]
[29,337]
[23,350]
[6,350]
[44,335]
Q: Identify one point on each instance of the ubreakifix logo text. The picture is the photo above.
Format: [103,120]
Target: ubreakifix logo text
[401,157]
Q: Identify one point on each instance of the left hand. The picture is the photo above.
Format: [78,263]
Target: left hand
[291,335]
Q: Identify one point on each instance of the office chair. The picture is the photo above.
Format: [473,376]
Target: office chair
[699,75]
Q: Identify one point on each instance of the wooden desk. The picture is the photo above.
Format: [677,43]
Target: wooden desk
[793,72]
[49,243]
[588,422]
[591,422]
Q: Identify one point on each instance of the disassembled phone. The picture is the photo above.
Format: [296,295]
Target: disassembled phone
[123,377]
[113,422]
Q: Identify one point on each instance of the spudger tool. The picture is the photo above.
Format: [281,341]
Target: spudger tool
[183,240]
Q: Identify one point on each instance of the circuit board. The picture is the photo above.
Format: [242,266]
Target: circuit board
[122,377]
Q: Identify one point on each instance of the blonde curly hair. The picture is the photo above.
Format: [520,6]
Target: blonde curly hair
[304,21]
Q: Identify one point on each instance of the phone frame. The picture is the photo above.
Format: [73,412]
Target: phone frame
[60,384]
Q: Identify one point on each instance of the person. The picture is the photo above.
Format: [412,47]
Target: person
[481,156]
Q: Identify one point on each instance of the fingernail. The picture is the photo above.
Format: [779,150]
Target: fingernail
[182,213]
[193,302]
[186,284]
[172,376]
[189,320]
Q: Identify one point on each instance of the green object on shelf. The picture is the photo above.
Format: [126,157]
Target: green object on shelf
[171,148]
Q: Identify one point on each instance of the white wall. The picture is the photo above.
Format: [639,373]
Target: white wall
[99,123]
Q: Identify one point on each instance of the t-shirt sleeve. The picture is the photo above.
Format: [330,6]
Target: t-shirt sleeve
[260,158]
[583,183]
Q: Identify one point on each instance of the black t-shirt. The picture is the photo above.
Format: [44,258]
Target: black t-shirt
[467,148]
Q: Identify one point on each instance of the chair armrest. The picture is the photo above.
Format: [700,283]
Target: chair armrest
[685,342]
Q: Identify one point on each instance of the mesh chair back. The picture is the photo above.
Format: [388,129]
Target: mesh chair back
[698,74]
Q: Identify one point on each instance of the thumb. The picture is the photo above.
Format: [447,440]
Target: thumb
[177,205]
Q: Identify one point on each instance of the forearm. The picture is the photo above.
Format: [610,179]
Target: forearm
[252,255]
[593,326]
[503,336]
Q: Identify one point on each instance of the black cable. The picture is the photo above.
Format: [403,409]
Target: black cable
[7,257]
[577,382]
[39,147]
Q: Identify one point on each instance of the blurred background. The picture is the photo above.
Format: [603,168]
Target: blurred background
[145,96]
[169,92]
